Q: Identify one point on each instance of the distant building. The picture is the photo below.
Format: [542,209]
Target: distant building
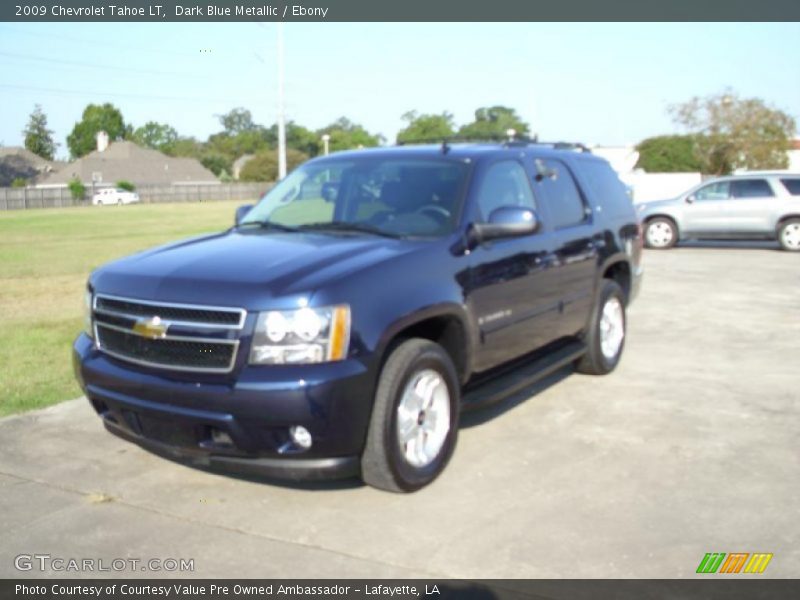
[125,161]
[19,163]
[794,157]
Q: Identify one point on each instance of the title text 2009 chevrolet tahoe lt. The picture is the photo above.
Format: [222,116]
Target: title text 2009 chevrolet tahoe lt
[346,319]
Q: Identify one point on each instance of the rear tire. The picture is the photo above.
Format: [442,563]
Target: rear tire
[414,424]
[660,233]
[605,338]
[789,235]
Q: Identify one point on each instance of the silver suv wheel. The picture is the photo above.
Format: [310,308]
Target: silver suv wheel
[660,233]
[789,235]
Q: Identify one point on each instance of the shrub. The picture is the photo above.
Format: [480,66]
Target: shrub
[126,185]
[19,182]
[76,188]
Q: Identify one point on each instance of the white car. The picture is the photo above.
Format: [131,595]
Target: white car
[114,196]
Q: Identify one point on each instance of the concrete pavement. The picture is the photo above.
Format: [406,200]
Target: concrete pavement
[691,446]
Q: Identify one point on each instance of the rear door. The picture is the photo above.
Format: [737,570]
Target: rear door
[752,205]
[575,249]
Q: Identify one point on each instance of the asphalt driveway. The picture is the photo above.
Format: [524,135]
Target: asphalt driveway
[691,446]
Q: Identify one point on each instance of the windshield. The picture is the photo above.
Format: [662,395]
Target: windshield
[394,197]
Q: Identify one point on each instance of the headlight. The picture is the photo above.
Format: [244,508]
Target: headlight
[87,313]
[306,335]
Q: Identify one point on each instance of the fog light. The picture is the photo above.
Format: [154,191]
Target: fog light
[300,436]
[220,438]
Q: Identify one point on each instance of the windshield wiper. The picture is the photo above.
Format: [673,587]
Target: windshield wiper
[346,226]
[270,225]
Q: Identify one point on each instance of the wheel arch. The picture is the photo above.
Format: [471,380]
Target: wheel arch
[445,325]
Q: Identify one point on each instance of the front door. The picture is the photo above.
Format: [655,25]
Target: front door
[513,282]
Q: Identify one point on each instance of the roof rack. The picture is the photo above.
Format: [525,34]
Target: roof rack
[509,141]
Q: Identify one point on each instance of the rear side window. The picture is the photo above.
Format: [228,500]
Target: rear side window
[505,184]
[751,188]
[559,192]
[607,187]
[792,186]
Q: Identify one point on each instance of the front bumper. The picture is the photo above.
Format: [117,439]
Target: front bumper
[238,423]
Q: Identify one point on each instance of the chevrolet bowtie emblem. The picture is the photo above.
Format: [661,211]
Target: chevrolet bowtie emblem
[152,328]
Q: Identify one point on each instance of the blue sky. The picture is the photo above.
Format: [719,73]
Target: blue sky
[595,82]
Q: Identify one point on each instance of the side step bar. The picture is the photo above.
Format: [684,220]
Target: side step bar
[505,384]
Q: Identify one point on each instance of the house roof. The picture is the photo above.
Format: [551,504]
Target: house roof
[19,163]
[129,162]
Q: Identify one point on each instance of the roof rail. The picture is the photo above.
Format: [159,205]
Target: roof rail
[508,141]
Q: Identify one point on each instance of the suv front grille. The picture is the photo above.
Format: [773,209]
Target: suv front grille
[118,333]
[223,318]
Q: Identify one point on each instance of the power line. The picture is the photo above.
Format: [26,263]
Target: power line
[105,43]
[57,91]
[95,65]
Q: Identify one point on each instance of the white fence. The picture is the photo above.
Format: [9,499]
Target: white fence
[23,198]
[659,186]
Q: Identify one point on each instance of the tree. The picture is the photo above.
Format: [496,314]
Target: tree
[492,123]
[297,137]
[237,120]
[157,136]
[264,165]
[96,118]
[426,127]
[732,132]
[346,135]
[38,138]
[668,154]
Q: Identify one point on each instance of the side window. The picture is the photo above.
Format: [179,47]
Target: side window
[751,188]
[721,190]
[792,186]
[559,191]
[504,184]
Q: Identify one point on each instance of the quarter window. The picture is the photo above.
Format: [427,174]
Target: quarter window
[558,191]
[751,188]
[792,186]
[504,184]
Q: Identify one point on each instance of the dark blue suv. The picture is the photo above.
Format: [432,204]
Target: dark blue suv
[344,322]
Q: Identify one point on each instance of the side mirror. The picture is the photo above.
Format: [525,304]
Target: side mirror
[241,213]
[506,222]
[690,198]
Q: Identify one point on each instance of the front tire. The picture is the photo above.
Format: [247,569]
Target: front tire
[660,233]
[605,338]
[414,424]
[789,235]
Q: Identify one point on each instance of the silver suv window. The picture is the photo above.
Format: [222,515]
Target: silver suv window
[751,188]
[719,190]
[792,186]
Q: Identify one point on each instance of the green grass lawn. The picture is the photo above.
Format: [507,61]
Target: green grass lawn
[45,259]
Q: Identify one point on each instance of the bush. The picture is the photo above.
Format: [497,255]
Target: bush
[264,165]
[668,154]
[76,188]
[126,185]
[19,182]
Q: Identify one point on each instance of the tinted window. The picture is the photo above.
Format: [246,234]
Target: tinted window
[751,188]
[607,187]
[557,189]
[720,190]
[792,186]
[504,184]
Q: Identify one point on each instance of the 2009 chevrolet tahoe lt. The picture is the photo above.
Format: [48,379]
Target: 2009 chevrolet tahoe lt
[343,323]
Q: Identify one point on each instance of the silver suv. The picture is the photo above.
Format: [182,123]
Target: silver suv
[751,206]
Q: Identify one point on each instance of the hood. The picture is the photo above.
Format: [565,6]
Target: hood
[245,269]
[658,204]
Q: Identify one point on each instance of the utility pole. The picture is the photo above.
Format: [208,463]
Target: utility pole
[281,116]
